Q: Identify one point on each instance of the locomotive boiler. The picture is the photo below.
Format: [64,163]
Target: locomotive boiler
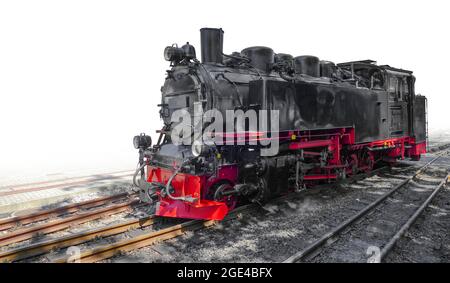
[281,123]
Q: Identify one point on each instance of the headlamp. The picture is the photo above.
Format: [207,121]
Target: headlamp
[173,54]
[142,141]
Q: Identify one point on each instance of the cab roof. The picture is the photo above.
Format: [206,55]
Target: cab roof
[372,63]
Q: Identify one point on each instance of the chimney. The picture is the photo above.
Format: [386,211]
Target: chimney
[211,45]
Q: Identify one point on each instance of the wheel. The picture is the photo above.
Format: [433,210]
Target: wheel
[368,161]
[353,163]
[263,194]
[415,157]
[216,193]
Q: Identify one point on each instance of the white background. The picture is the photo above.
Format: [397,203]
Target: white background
[78,79]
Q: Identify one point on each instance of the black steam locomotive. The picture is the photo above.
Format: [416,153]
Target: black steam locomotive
[327,121]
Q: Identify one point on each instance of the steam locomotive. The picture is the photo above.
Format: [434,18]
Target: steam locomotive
[328,120]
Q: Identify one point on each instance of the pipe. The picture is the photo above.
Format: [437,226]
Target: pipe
[286,77]
[238,94]
[237,58]
[136,173]
[169,182]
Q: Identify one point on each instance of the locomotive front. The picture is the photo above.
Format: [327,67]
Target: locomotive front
[185,178]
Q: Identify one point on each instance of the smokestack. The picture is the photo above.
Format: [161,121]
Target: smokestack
[212,45]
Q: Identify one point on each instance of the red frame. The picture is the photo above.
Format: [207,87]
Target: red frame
[195,186]
[309,141]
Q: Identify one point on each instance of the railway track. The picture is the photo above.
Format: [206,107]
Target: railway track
[51,226]
[72,240]
[17,221]
[109,250]
[146,239]
[326,247]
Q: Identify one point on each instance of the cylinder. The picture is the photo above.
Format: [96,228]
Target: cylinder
[307,65]
[327,69]
[261,58]
[211,45]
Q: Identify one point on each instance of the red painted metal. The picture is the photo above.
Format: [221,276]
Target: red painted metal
[332,141]
[184,184]
[319,177]
[313,143]
[417,149]
[194,186]
[205,209]
[310,144]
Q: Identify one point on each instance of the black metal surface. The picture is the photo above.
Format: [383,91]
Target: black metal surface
[304,105]
[307,65]
[212,45]
[261,58]
[354,94]
[420,118]
[189,51]
[327,69]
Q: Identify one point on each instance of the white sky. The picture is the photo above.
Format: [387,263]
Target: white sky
[78,79]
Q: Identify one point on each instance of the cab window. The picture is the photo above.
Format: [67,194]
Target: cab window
[393,88]
[405,87]
[398,87]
